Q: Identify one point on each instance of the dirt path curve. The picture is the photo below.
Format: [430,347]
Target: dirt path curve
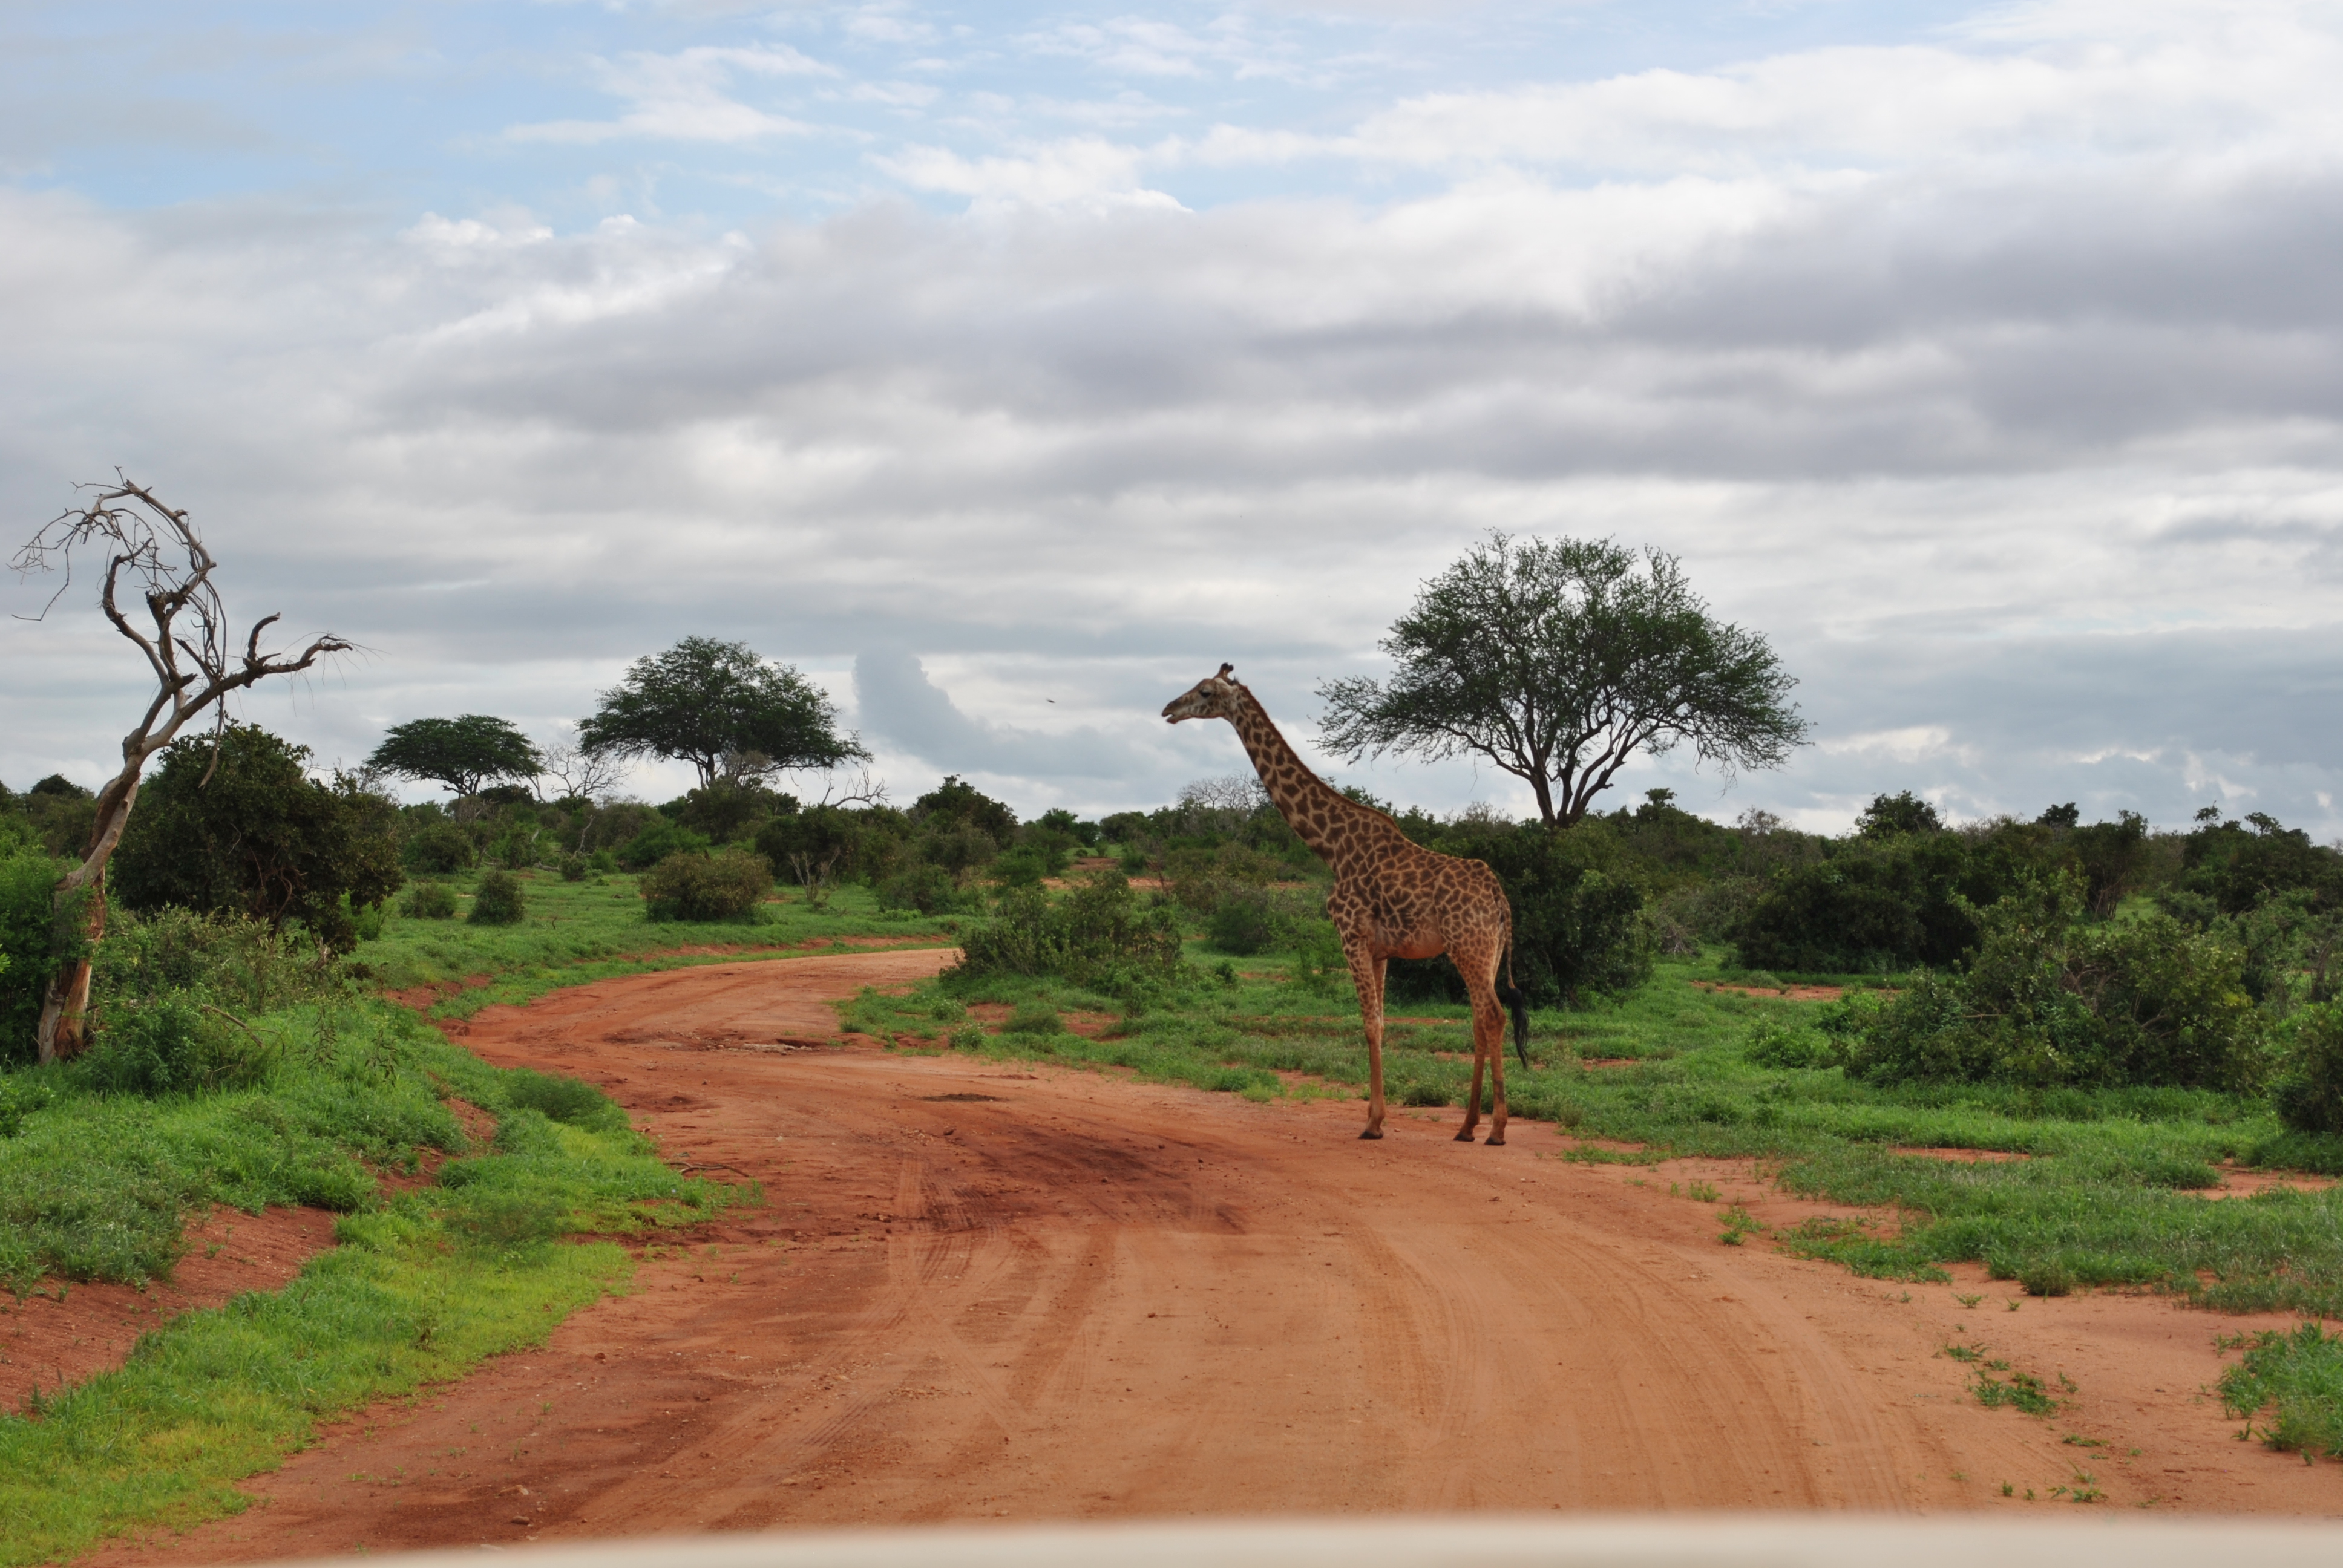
[977,1292]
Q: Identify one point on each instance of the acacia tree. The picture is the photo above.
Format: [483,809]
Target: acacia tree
[465,754]
[153,552]
[720,707]
[1559,661]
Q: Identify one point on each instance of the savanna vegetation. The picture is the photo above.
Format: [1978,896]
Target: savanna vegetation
[2130,1008]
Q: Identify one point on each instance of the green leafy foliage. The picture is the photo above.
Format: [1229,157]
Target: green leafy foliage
[802,843]
[438,848]
[428,901]
[660,839]
[1096,935]
[36,942]
[721,708]
[246,831]
[498,900]
[464,753]
[957,802]
[2052,998]
[2308,1092]
[1561,660]
[726,886]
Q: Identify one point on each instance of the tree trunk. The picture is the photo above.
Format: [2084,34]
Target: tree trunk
[63,1029]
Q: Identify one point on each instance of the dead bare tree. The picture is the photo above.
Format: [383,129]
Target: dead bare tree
[151,551]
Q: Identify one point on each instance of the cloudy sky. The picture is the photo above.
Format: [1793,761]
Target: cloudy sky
[1009,368]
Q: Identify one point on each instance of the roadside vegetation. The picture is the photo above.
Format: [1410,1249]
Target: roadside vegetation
[205,1014]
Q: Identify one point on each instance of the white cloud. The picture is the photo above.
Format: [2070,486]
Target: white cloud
[685,96]
[2021,433]
[1085,173]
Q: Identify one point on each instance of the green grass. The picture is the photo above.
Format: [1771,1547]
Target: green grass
[2106,1198]
[2293,1384]
[422,1287]
[577,932]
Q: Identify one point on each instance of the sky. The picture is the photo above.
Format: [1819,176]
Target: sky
[1007,369]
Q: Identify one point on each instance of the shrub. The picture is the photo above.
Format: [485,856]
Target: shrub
[1023,867]
[2308,1093]
[35,942]
[2054,1000]
[919,886]
[438,848]
[498,900]
[241,828]
[1242,922]
[1875,906]
[1096,936]
[724,887]
[1772,1043]
[573,867]
[430,901]
[820,835]
[172,1045]
[239,963]
[659,839]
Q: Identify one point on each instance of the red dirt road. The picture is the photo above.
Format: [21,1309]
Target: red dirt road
[976,1294]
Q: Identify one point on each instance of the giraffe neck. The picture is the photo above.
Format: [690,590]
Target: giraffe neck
[1324,818]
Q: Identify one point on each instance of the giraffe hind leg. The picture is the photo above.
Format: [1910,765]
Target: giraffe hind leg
[1480,971]
[1367,976]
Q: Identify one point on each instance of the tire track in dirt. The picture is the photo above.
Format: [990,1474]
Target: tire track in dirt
[1078,1296]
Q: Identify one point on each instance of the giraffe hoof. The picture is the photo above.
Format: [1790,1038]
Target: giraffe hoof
[1465,1136]
[1496,1141]
[1372,1132]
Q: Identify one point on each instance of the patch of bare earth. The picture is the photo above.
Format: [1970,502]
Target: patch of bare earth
[1778,993]
[982,1294]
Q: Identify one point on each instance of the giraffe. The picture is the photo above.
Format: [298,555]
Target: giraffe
[1392,898]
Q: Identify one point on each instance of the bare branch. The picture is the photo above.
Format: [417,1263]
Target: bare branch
[153,549]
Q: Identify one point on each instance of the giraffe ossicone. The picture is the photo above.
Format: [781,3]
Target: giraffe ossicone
[1393,898]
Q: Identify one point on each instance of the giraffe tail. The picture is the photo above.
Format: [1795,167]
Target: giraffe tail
[1518,1005]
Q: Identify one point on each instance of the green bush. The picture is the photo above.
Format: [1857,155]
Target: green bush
[2053,998]
[1022,866]
[1776,1044]
[498,900]
[430,901]
[244,965]
[724,887]
[804,842]
[659,839]
[1876,905]
[922,887]
[1242,922]
[573,867]
[1095,936]
[35,942]
[438,849]
[239,827]
[2308,1093]
[171,1045]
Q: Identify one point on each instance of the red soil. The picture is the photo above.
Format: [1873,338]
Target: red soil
[979,1293]
[1781,993]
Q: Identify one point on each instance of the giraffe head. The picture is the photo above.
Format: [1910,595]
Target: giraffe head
[1214,697]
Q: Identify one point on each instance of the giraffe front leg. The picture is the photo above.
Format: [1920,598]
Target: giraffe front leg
[1367,977]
